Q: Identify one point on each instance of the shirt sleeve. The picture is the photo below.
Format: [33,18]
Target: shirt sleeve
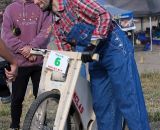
[42,38]
[93,13]
[11,41]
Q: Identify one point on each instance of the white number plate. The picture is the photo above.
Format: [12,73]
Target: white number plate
[57,62]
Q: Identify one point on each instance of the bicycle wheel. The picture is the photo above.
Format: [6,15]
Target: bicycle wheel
[42,113]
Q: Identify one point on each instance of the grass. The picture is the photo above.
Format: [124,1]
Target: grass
[151,89]
[4,116]
[5,113]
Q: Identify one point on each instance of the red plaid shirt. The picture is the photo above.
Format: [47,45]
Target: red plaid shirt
[77,11]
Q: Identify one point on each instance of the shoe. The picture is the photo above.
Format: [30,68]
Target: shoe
[14,129]
[5,95]
[6,100]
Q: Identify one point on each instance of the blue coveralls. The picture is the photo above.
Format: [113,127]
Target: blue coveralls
[116,86]
[115,83]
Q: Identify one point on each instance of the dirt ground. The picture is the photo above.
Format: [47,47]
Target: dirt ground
[148,61]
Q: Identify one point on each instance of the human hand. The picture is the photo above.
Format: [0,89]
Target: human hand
[25,51]
[90,49]
[32,58]
[12,73]
[86,57]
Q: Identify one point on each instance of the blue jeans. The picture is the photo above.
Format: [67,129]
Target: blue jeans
[116,86]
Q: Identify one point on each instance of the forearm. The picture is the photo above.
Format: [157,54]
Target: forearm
[96,15]
[4,52]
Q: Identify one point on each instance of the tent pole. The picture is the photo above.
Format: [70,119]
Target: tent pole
[133,38]
[150,25]
[141,24]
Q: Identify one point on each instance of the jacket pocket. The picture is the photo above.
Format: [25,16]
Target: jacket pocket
[118,42]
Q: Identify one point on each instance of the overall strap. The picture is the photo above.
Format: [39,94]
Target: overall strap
[65,2]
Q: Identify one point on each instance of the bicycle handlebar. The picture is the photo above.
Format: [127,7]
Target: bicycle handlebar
[5,64]
[88,56]
[37,51]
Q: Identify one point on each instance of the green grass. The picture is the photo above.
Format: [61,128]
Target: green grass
[5,118]
[151,89]
[3,111]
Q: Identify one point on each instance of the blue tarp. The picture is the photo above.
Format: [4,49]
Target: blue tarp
[116,12]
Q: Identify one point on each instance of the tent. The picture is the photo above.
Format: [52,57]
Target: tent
[115,11]
[120,15]
[124,18]
[141,8]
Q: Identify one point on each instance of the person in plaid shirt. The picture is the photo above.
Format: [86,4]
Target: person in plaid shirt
[115,83]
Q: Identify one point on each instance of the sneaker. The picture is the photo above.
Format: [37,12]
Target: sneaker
[5,95]
[6,100]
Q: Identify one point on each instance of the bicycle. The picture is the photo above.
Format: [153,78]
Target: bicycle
[64,100]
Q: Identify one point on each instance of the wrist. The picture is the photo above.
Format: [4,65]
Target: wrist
[95,42]
[14,62]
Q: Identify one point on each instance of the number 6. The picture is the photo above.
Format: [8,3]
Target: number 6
[57,61]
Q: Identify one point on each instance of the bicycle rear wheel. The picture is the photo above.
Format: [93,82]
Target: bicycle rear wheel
[42,113]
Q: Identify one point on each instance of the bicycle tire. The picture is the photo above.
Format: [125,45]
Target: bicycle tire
[73,121]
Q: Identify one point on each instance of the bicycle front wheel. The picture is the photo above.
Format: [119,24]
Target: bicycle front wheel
[42,113]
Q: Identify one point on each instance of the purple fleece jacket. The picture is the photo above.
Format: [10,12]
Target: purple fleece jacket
[34,25]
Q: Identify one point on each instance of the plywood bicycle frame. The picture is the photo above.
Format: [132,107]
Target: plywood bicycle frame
[74,89]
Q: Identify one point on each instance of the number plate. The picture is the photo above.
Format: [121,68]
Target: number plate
[57,62]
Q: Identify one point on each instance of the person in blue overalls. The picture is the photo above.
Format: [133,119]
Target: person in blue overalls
[115,83]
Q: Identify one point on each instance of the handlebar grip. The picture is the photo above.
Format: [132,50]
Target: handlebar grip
[89,57]
[7,66]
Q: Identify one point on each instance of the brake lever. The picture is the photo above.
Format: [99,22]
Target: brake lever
[37,51]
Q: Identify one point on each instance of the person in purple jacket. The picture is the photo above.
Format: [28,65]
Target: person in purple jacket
[24,27]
